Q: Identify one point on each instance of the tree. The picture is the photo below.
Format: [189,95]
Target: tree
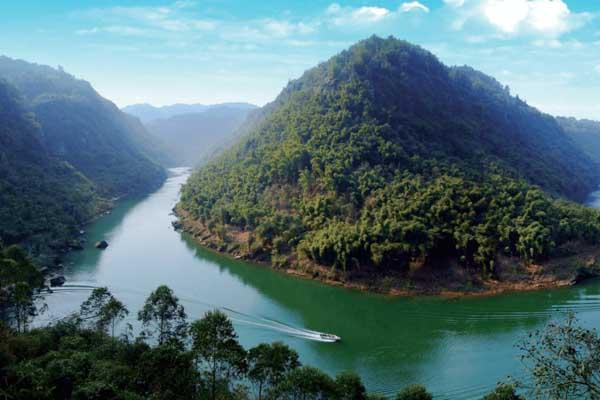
[306,383]
[22,303]
[268,364]
[166,372]
[103,310]
[564,361]
[217,351]
[503,392]
[414,392]
[20,280]
[163,316]
[350,387]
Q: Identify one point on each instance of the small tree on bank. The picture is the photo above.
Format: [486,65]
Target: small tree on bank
[162,316]
[103,311]
[268,365]
[564,361]
[217,351]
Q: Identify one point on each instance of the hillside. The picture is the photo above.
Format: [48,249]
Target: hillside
[43,200]
[585,134]
[192,138]
[149,113]
[383,159]
[84,129]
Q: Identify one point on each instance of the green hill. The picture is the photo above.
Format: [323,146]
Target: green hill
[42,199]
[383,158]
[585,133]
[88,131]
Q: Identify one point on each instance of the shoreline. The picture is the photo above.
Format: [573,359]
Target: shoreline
[518,277]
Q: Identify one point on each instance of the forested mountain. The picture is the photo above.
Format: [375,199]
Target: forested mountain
[148,113]
[192,138]
[88,131]
[383,157]
[42,199]
[585,133]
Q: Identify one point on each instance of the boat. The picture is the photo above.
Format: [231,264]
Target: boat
[330,337]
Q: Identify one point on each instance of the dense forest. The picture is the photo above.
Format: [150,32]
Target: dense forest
[383,158]
[192,138]
[65,153]
[42,198]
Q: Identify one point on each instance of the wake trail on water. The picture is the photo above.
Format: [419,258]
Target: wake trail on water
[236,316]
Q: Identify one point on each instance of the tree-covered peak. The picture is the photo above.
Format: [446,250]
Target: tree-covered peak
[383,156]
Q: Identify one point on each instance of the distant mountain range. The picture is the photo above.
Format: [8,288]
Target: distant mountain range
[193,133]
[66,151]
[149,113]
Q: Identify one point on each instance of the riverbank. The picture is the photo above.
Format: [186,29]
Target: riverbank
[445,278]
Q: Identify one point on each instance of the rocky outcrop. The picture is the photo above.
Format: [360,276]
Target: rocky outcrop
[103,244]
[57,281]
[584,274]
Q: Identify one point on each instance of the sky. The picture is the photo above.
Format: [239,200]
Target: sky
[211,51]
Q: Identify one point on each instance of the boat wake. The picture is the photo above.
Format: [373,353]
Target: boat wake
[236,316]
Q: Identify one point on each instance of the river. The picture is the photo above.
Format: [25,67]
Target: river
[459,348]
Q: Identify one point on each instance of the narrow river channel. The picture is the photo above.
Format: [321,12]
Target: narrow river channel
[459,349]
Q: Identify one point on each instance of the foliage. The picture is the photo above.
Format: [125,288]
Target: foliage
[102,310]
[217,352]
[268,364]
[306,383]
[163,316]
[564,361]
[383,156]
[20,281]
[503,392]
[414,392]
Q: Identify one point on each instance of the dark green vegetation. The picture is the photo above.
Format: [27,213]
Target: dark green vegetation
[64,151]
[382,157]
[193,137]
[88,131]
[20,282]
[585,133]
[42,198]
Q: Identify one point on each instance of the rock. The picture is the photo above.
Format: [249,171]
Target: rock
[57,281]
[176,225]
[583,274]
[102,244]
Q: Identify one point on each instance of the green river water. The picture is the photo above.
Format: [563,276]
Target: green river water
[459,349]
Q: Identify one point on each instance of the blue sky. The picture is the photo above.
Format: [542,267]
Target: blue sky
[209,51]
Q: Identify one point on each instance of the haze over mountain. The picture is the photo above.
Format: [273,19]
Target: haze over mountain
[88,131]
[65,151]
[149,113]
[585,133]
[383,157]
[194,137]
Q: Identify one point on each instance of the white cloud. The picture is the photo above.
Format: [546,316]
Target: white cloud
[283,28]
[414,6]
[115,29]
[342,16]
[545,17]
[455,3]
[597,68]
